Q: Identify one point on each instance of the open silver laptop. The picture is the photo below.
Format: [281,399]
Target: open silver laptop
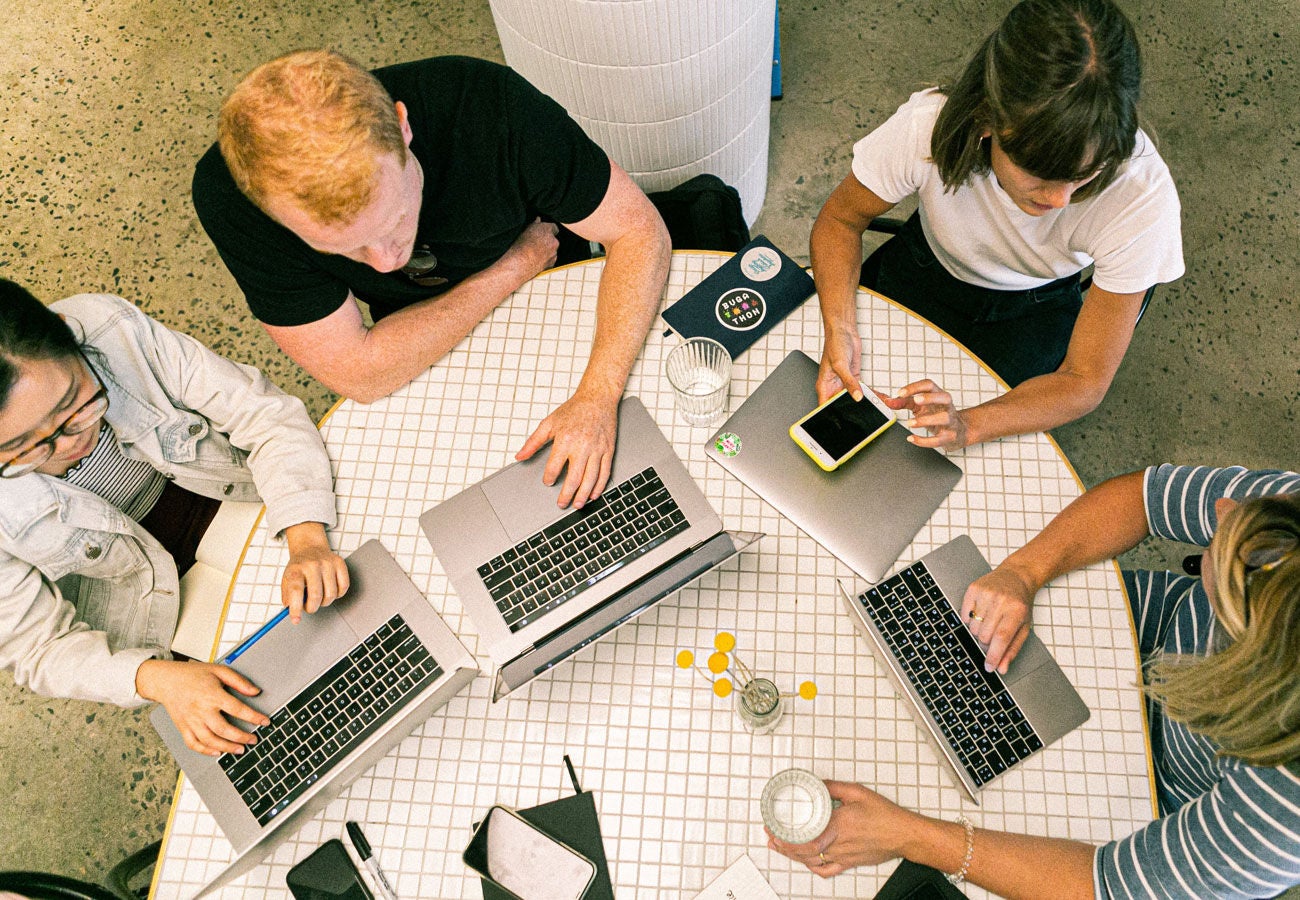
[980,723]
[868,510]
[341,688]
[541,582]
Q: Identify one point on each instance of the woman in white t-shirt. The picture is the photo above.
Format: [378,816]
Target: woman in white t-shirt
[1027,170]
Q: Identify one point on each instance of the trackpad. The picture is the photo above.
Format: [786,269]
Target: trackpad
[521,502]
[378,588]
[289,657]
[1031,656]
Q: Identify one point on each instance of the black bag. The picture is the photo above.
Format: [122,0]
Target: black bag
[703,214]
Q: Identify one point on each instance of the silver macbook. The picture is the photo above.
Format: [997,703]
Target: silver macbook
[341,688]
[865,512]
[541,582]
[981,723]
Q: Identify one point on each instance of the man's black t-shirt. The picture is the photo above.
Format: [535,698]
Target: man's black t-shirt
[496,154]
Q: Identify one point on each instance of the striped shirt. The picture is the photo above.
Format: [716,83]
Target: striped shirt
[131,485]
[1229,830]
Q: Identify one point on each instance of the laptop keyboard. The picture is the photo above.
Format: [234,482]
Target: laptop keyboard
[318,728]
[561,561]
[945,664]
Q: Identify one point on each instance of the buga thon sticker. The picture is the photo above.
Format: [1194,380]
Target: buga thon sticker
[741,309]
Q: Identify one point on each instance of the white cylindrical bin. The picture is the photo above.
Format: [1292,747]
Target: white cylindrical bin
[668,88]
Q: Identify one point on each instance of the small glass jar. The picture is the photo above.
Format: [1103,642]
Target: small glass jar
[759,705]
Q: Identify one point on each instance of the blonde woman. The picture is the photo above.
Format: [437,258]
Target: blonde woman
[1222,672]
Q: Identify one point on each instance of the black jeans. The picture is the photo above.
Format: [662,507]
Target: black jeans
[1018,334]
[178,521]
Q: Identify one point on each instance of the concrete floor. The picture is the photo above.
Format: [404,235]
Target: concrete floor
[108,104]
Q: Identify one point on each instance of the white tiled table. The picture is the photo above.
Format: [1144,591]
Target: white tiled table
[676,777]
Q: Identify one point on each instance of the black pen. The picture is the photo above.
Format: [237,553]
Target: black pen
[363,850]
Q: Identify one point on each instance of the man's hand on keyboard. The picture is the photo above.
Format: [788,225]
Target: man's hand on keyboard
[997,609]
[583,429]
[198,697]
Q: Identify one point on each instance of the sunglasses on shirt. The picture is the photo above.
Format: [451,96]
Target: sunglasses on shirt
[1263,552]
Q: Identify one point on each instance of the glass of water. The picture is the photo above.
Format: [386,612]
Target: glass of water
[699,370]
[796,805]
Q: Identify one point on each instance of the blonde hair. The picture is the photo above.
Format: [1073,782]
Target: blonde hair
[310,127]
[1246,696]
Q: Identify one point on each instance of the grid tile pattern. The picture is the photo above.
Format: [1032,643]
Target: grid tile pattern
[676,777]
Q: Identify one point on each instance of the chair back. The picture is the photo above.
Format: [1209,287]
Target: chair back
[43,886]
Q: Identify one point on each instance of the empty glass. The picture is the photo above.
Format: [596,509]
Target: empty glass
[699,370]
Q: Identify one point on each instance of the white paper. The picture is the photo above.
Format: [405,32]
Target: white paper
[739,881]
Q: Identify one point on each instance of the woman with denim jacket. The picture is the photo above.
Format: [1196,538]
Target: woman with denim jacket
[118,440]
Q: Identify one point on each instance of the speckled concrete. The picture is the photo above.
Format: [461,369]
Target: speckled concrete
[107,106]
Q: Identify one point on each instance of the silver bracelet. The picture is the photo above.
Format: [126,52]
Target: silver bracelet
[960,875]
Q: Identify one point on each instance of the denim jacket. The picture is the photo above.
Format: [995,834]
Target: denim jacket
[86,594]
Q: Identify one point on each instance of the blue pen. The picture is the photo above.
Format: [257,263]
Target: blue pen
[257,636]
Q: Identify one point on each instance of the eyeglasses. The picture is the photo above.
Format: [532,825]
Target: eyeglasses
[421,265]
[82,419]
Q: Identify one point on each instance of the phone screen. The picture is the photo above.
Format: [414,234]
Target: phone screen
[843,424]
[328,874]
[533,864]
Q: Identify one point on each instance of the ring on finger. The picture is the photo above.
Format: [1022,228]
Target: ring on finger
[822,856]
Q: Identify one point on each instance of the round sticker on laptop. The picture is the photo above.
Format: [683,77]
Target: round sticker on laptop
[741,309]
[760,263]
[727,444]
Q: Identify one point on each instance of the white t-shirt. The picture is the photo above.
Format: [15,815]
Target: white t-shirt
[1131,230]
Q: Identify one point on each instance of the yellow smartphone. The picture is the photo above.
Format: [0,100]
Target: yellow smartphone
[840,427]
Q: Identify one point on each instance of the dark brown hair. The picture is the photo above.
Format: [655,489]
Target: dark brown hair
[1058,84]
[28,330]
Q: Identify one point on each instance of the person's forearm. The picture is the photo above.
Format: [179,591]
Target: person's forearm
[631,286]
[1039,404]
[1103,523]
[402,345]
[1013,866]
[305,536]
[1097,345]
[836,254]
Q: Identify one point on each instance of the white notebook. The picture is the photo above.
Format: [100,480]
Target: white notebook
[205,586]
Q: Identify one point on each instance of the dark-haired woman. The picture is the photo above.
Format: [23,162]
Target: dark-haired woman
[118,439]
[1027,170]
